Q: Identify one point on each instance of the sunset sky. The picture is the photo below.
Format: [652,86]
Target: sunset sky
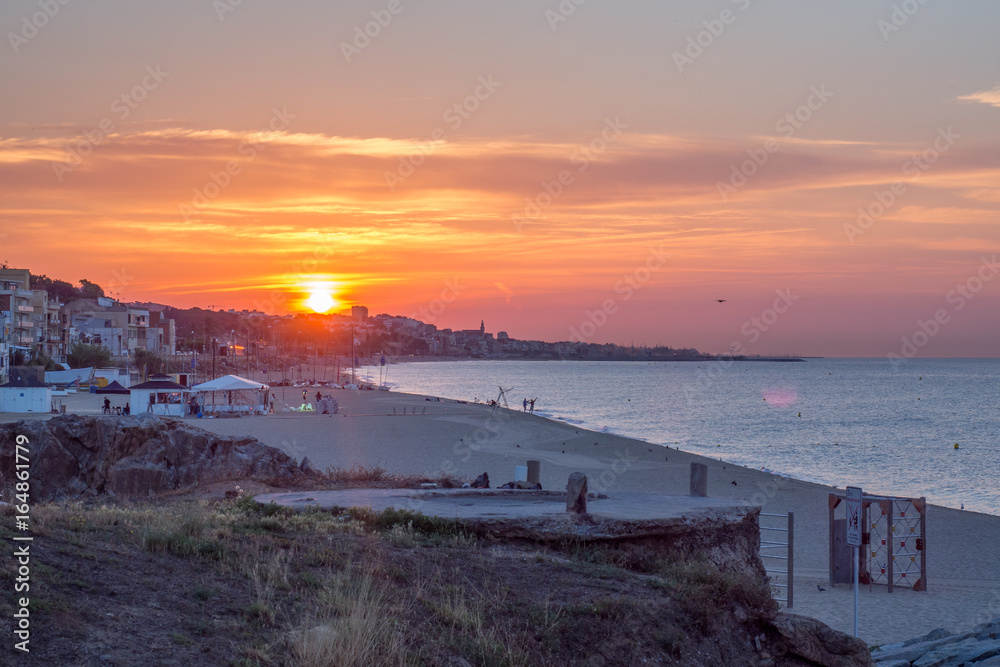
[537,165]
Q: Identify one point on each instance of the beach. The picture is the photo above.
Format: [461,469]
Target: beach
[411,434]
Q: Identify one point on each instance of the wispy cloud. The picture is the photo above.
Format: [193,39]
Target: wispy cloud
[991,97]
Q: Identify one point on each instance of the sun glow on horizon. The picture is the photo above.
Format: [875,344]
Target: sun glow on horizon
[320,301]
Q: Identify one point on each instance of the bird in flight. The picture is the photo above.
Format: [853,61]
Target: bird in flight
[721,300]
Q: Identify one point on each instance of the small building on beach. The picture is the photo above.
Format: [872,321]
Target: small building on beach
[159,396]
[25,394]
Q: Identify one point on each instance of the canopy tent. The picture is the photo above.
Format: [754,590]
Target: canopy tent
[241,395]
[229,383]
[113,388]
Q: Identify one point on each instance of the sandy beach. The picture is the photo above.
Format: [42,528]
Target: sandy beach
[415,434]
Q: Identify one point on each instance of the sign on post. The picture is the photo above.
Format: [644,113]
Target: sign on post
[854,539]
[854,516]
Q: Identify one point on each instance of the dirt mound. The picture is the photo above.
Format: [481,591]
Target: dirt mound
[76,456]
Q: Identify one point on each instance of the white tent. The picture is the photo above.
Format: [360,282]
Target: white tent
[229,383]
[241,395]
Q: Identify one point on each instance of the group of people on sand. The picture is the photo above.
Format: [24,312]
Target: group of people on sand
[528,405]
[116,410]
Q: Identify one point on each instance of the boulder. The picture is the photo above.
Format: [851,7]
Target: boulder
[73,456]
[576,493]
[806,639]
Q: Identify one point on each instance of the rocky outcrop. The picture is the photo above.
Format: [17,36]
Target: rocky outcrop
[940,648]
[799,640]
[74,456]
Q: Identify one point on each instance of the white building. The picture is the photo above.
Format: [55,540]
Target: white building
[25,394]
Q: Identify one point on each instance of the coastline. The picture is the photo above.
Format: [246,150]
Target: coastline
[427,435]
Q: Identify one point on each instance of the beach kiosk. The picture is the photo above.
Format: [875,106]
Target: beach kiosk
[232,394]
[158,395]
[25,394]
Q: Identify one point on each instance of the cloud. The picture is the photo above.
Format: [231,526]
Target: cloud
[289,194]
[991,97]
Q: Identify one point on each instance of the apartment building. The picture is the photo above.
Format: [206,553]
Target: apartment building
[17,312]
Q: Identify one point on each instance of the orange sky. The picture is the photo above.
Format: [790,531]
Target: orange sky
[140,200]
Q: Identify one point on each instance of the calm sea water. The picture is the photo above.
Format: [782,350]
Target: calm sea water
[835,421]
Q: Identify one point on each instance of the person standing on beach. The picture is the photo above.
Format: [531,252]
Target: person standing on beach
[304,396]
[531,411]
[524,405]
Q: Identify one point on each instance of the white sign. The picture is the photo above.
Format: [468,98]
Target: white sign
[854,516]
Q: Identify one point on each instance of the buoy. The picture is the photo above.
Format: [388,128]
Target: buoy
[921,377]
[800,414]
[956,445]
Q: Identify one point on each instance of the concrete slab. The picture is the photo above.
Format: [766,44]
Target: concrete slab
[537,514]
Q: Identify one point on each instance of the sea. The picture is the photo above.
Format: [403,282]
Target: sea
[923,427]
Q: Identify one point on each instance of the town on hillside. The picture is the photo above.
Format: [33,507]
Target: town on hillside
[55,325]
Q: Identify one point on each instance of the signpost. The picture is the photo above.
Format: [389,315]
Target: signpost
[854,539]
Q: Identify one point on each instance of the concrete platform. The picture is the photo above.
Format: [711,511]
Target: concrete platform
[540,515]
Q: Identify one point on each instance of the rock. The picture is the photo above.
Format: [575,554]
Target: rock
[915,651]
[75,456]
[935,658]
[989,630]
[802,638]
[937,633]
[890,663]
[308,468]
[576,493]
[521,485]
[481,482]
[981,651]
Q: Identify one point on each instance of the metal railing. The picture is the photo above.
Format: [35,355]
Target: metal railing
[771,557]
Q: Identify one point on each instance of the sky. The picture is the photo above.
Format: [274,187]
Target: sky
[778,177]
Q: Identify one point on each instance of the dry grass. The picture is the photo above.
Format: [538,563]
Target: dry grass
[353,626]
[264,585]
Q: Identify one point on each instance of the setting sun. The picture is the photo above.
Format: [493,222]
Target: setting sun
[320,301]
